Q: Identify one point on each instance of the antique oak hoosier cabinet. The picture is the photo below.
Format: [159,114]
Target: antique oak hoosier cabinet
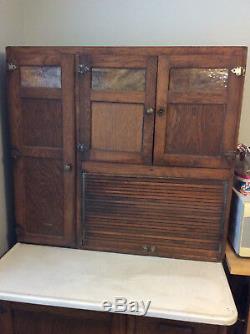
[122,170]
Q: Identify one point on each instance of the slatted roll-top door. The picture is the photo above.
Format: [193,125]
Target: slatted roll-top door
[117,101]
[42,117]
[182,218]
[198,107]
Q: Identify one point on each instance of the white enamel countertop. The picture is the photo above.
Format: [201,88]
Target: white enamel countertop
[178,289]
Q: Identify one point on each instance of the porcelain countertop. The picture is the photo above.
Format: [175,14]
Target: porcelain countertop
[178,289]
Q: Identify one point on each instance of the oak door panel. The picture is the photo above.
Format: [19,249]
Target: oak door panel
[198,107]
[181,218]
[41,100]
[123,131]
[29,319]
[42,122]
[115,94]
[186,125]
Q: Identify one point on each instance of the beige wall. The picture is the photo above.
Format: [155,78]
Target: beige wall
[129,22]
[10,26]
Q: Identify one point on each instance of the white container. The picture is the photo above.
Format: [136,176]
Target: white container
[239,233]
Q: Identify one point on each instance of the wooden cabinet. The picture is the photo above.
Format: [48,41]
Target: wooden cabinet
[17,318]
[125,149]
[117,103]
[198,99]
[41,100]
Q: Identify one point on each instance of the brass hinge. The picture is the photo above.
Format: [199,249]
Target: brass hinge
[239,71]
[83,69]
[11,66]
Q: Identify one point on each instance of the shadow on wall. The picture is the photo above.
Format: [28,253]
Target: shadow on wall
[7,164]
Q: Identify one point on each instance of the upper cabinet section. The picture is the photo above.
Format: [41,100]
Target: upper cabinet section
[117,102]
[163,106]
[198,105]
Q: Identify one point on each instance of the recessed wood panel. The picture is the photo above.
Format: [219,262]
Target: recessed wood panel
[174,218]
[42,320]
[41,76]
[117,127]
[194,129]
[42,122]
[209,80]
[44,208]
[122,79]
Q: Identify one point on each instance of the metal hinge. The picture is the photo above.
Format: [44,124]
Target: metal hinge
[15,153]
[239,71]
[11,66]
[231,155]
[83,69]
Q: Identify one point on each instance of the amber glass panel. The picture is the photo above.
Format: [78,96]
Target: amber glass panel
[41,76]
[117,127]
[118,79]
[198,79]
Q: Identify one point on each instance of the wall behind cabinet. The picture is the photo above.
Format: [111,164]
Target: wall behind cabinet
[10,27]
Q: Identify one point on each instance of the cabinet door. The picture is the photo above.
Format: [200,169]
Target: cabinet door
[198,107]
[117,101]
[41,100]
[36,319]
[156,216]
[161,326]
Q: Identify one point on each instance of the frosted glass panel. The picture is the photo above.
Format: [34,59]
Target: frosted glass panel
[198,79]
[114,79]
[41,76]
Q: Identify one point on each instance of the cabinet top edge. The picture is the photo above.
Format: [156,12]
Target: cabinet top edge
[145,50]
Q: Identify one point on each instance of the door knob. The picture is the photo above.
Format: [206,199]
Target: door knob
[153,249]
[161,111]
[67,167]
[149,111]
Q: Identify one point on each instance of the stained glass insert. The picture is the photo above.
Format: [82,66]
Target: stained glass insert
[41,76]
[122,79]
[198,79]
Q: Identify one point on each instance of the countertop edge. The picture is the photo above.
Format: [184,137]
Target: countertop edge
[90,306]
